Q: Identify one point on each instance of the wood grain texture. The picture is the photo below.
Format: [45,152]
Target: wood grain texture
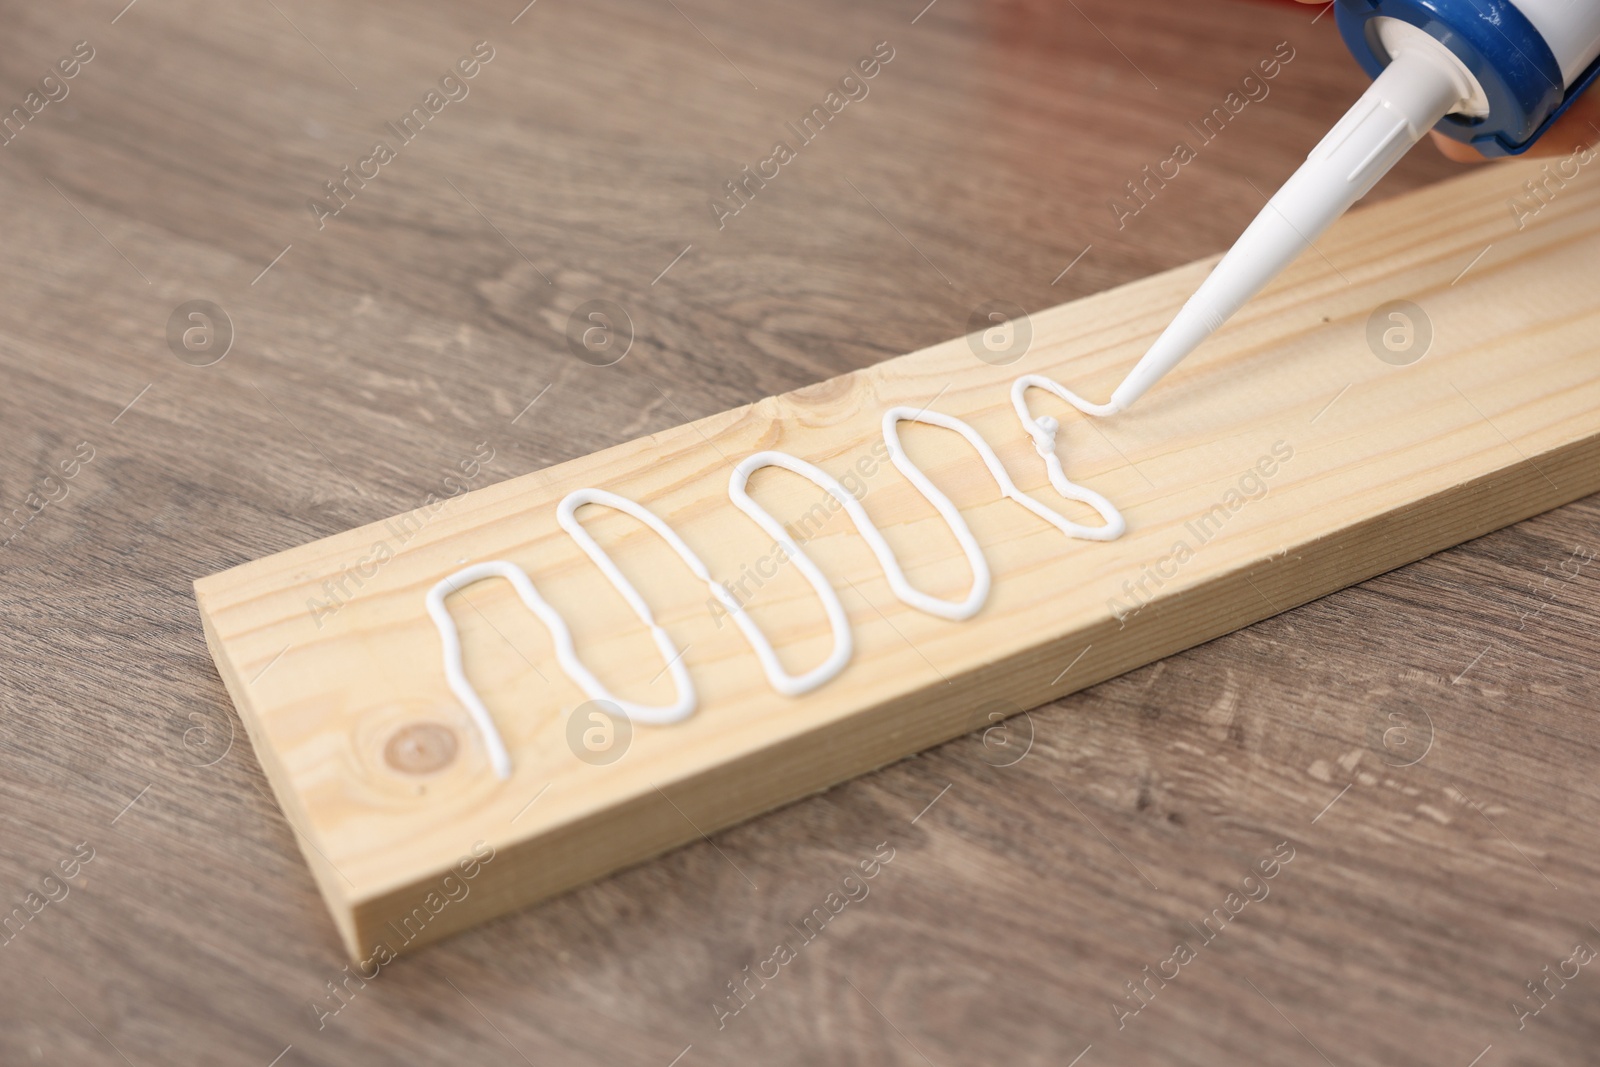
[376,353]
[1246,491]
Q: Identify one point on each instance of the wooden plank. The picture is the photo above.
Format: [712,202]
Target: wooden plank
[1329,465]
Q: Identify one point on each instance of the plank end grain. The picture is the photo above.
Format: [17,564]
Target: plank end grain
[1283,461]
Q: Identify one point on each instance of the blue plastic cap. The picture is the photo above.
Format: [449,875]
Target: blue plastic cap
[1498,44]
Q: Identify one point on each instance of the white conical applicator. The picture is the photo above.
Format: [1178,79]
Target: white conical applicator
[1419,87]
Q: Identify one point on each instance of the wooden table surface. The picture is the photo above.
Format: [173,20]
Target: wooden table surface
[1421,745]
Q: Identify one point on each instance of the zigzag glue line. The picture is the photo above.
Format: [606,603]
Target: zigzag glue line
[1042,430]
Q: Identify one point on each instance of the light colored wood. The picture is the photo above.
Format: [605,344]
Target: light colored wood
[1388,464]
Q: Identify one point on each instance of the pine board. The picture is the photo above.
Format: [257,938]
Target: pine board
[1388,464]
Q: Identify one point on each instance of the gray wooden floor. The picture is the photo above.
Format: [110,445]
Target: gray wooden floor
[1413,759]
